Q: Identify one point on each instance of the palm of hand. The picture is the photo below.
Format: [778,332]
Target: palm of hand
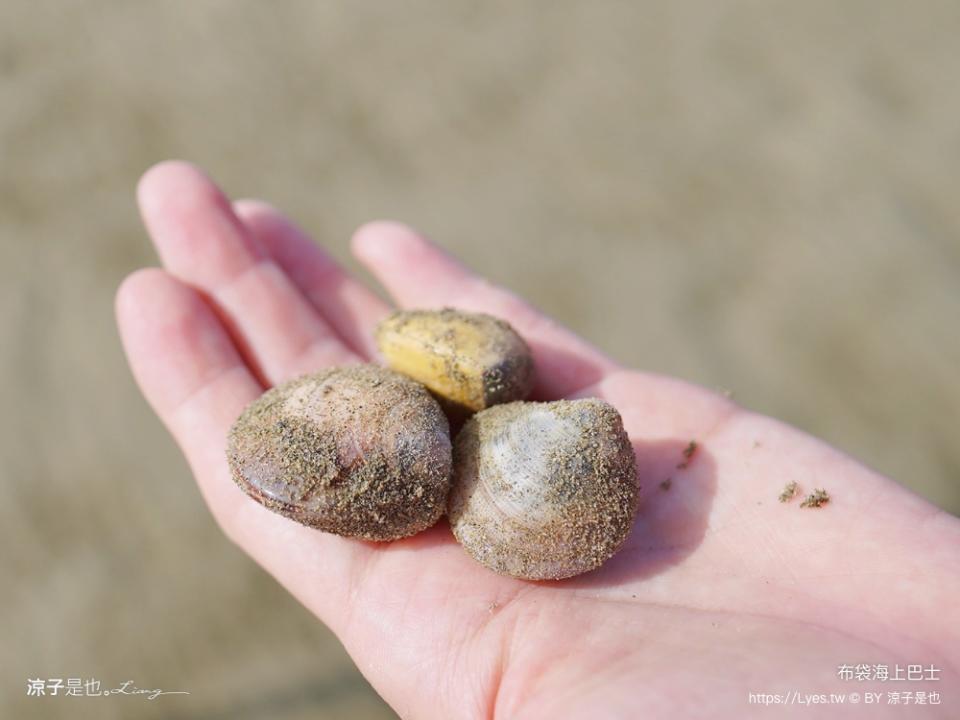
[720,590]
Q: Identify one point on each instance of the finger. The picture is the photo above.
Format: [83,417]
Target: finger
[417,273]
[184,361]
[192,375]
[350,308]
[189,371]
[201,241]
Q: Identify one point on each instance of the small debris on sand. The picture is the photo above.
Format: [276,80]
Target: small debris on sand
[790,491]
[688,453]
[818,498]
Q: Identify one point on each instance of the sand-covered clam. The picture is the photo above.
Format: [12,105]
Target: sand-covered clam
[359,451]
[543,490]
[470,361]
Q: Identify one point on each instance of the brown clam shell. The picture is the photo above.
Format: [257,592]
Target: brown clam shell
[358,451]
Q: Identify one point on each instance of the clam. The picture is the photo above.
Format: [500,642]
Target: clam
[470,361]
[543,490]
[359,451]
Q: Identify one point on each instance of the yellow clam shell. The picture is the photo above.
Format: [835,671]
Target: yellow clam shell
[470,361]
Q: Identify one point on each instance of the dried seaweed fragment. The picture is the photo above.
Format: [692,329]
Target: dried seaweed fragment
[818,498]
[789,492]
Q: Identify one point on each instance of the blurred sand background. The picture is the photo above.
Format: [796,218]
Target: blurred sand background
[759,196]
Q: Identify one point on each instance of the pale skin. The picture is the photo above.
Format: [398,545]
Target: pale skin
[720,590]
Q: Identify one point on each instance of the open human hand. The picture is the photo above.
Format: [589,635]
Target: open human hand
[719,592]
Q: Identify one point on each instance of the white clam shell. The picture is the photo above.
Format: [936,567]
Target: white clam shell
[543,490]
